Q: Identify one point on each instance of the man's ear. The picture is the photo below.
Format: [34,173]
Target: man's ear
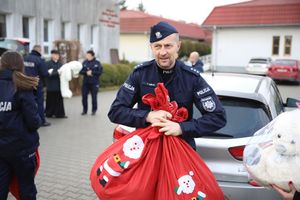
[179,44]
[150,45]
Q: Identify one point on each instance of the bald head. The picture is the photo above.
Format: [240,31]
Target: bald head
[37,48]
[194,57]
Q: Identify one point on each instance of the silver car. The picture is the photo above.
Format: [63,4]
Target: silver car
[250,103]
[258,66]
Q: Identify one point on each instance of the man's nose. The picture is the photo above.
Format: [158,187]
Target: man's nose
[163,51]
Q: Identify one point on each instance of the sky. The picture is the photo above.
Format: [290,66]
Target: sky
[191,11]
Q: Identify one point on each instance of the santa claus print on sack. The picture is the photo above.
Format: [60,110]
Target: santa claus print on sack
[133,147]
[114,166]
[187,186]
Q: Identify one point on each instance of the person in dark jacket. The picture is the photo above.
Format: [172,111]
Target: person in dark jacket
[35,66]
[19,121]
[196,62]
[91,71]
[292,195]
[54,101]
[185,86]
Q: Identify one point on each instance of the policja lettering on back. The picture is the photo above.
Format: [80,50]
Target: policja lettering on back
[5,106]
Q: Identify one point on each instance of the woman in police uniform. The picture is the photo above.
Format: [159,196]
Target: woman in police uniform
[19,121]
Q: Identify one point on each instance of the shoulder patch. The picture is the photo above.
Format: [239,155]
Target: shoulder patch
[191,70]
[144,64]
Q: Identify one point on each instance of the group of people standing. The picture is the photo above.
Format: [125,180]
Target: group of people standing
[49,75]
[22,112]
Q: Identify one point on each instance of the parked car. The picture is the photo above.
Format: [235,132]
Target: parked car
[285,69]
[258,66]
[250,102]
[20,45]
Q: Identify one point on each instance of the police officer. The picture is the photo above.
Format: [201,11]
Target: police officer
[185,86]
[91,71]
[196,62]
[19,121]
[35,66]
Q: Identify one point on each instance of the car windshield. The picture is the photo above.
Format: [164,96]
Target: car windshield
[258,60]
[244,117]
[284,62]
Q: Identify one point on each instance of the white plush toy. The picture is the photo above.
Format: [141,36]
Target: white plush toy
[273,154]
[66,72]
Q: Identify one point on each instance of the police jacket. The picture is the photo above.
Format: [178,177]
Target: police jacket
[297,196]
[199,66]
[53,81]
[96,68]
[35,66]
[187,87]
[19,118]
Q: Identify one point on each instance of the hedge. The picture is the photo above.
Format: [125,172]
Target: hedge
[115,75]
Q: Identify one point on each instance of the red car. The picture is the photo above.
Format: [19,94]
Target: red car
[285,69]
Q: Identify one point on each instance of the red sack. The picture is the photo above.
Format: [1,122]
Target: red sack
[14,187]
[142,165]
[184,175]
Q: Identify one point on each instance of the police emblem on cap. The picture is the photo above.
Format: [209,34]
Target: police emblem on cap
[208,104]
[158,35]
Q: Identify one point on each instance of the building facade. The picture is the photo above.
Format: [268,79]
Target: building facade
[95,23]
[258,28]
[135,31]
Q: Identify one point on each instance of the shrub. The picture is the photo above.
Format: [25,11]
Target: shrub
[115,75]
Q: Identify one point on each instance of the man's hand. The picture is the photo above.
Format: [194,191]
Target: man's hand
[155,116]
[89,73]
[286,195]
[168,127]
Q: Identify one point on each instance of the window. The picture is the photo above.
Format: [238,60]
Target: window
[93,36]
[244,117]
[287,45]
[277,99]
[46,30]
[25,24]
[2,25]
[48,35]
[63,30]
[276,40]
[78,31]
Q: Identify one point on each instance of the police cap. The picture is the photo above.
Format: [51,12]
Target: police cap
[160,31]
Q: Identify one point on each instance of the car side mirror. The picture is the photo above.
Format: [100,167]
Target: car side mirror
[292,103]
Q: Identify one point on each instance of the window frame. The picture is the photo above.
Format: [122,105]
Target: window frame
[288,45]
[277,45]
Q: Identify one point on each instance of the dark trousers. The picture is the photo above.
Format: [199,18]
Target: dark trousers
[40,103]
[86,89]
[55,104]
[23,167]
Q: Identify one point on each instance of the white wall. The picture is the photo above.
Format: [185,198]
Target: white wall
[232,48]
[85,12]
[135,47]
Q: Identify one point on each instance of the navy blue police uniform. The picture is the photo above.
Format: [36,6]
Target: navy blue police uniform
[90,83]
[185,86]
[297,196]
[19,139]
[35,66]
[199,66]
